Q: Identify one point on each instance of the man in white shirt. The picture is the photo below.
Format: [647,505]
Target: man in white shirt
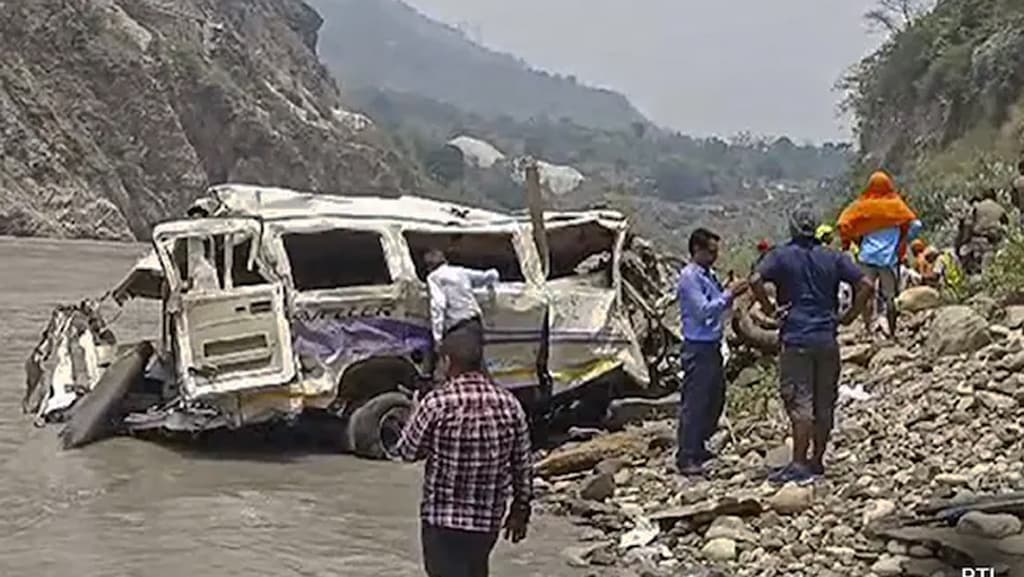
[453,306]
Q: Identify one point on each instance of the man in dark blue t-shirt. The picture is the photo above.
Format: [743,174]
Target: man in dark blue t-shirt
[806,276]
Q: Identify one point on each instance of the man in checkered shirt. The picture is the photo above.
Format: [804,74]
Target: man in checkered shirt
[475,438]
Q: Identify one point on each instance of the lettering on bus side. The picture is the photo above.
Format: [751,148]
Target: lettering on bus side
[341,313]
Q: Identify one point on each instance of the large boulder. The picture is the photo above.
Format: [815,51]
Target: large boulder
[957,330]
[918,299]
[988,525]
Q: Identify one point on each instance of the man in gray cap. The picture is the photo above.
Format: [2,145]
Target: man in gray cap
[806,276]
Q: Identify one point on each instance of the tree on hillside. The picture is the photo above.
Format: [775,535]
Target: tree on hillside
[895,16]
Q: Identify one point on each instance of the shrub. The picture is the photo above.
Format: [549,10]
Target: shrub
[1004,277]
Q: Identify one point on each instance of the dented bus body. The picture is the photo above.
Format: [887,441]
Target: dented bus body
[276,302]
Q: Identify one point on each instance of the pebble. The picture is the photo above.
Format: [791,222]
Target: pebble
[878,510]
[598,487]
[732,528]
[896,548]
[792,499]
[952,479]
[889,565]
[719,549]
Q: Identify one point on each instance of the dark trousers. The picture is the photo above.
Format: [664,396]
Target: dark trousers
[454,553]
[703,400]
[809,381]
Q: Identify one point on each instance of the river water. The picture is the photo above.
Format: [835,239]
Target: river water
[127,507]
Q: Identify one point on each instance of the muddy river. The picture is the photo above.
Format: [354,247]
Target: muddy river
[132,508]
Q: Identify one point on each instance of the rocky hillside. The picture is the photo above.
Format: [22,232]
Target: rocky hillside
[940,103]
[114,114]
[387,44]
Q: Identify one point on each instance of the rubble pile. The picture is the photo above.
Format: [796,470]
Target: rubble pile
[649,286]
[649,279]
[921,477]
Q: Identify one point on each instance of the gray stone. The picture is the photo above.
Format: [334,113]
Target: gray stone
[996,401]
[630,410]
[878,510]
[990,526]
[610,466]
[1007,386]
[857,354]
[896,548]
[918,299]
[604,557]
[719,549]
[792,499]
[999,332]
[843,554]
[890,357]
[730,527]
[1013,363]
[780,455]
[956,330]
[1014,317]
[889,565]
[952,479]
[749,376]
[598,487]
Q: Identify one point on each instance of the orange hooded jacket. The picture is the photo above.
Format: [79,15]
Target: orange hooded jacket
[879,207]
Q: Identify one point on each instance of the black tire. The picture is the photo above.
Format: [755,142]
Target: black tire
[375,426]
[99,414]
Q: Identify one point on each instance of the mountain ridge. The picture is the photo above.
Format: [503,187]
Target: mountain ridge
[389,44]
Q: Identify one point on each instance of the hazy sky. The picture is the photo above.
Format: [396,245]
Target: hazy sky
[700,66]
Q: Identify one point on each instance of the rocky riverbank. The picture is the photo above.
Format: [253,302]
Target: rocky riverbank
[931,422]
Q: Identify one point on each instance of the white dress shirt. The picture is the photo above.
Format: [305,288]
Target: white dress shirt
[451,296]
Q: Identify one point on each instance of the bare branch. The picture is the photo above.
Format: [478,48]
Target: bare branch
[879,19]
[894,16]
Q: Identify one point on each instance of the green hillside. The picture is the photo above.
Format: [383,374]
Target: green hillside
[940,103]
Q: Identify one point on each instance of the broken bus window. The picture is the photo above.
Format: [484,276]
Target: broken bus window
[335,259]
[469,249]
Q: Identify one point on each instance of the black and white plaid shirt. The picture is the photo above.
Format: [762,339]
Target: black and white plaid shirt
[476,440]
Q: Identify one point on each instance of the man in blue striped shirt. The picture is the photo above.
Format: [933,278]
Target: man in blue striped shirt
[703,305]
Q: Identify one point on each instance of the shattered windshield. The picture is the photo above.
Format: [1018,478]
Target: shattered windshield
[583,251]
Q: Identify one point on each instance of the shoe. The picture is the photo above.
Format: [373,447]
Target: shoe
[792,473]
[706,456]
[691,469]
[816,469]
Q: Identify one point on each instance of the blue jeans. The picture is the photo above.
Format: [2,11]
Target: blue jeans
[703,400]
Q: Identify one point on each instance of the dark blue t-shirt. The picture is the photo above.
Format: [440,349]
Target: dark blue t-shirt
[807,276]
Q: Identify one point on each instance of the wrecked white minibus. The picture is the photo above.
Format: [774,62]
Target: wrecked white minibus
[276,302]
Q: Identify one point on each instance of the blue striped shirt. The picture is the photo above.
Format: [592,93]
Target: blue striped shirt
[702,304]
